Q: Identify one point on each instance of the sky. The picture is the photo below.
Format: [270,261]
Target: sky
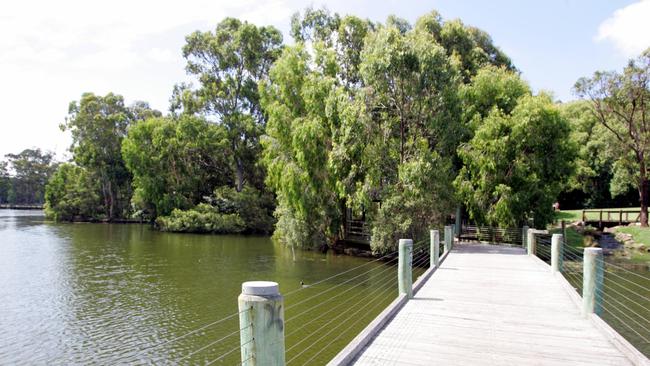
[53,51]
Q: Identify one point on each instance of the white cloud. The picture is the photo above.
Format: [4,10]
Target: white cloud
[628,28]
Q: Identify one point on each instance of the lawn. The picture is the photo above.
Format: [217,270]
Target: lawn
[573,237]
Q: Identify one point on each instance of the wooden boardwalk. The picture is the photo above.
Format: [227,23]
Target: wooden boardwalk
[491,305]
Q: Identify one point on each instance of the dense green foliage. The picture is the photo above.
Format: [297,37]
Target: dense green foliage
[98,125]
[367,123]
[592,184]
[516,164]
[30,170]
[72,193]
[620,102]
[228,64]
[394,124]
[226,211]
[174,162]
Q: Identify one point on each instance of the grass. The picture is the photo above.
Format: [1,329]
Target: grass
[640,235]
[573,237]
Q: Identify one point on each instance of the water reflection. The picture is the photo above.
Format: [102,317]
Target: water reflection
[106,294]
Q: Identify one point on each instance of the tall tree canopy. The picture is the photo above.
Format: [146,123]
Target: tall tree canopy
[516,164]
[98,125]
[300,102]
[228,64]
[621,104]
[31,170]
[175,162]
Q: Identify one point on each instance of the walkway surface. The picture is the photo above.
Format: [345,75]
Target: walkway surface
[491,305]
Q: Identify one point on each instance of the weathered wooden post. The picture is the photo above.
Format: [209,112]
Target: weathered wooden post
[261,320]
[556,253]
[449,240]
[404,276]
[434,249]
[592,281]
[524,234]
[530,241]
[457,227]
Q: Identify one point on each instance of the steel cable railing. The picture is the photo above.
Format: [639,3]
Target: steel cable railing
[623,297]
[319,310]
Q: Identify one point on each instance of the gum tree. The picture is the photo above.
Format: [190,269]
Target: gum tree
[621,103]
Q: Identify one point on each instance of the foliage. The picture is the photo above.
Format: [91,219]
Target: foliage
[32,168]
[5,182]
[411,89]
[343,35]
[174,162]
[228,64]
[516,164]
[201,219]
[590,185]
[621,104]
[98,125]
[299,103]
[227,211]
[71,193]
[491,87]
[470,48]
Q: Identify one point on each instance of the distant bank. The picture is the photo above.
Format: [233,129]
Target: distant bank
[20,207]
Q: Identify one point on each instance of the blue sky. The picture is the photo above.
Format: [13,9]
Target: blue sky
[51,52]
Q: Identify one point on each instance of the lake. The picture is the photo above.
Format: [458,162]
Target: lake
[110,294]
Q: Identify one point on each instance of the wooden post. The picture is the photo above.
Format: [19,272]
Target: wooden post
[592,281]
[600,220]
[434,250]
[404,276]
[530,241]
[556,253]
[584,217]
[524,234]
[261,320]
[457,227]
[620,217]
[449,240]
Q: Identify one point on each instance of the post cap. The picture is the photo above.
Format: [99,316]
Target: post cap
[594,251]
[407,242]
[260,288]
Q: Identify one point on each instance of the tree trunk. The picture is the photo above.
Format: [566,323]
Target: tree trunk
[111,207]
[239,175]
[643,194]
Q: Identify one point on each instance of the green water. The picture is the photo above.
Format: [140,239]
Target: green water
[114,294]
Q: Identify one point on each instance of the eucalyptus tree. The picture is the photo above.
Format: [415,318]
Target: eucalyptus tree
[469,47]
[98,124]
[5,182]
[228,64]
[31,170]
[411,94]
[300,99]
[343,35]
[621,103]
[175,162]
[517,164]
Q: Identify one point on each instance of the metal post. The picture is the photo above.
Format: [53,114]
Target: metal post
[261,320]
[404,276]
[449,240]
[524,234]
[556,253]
[530,241]
[592,282]
[434,250]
